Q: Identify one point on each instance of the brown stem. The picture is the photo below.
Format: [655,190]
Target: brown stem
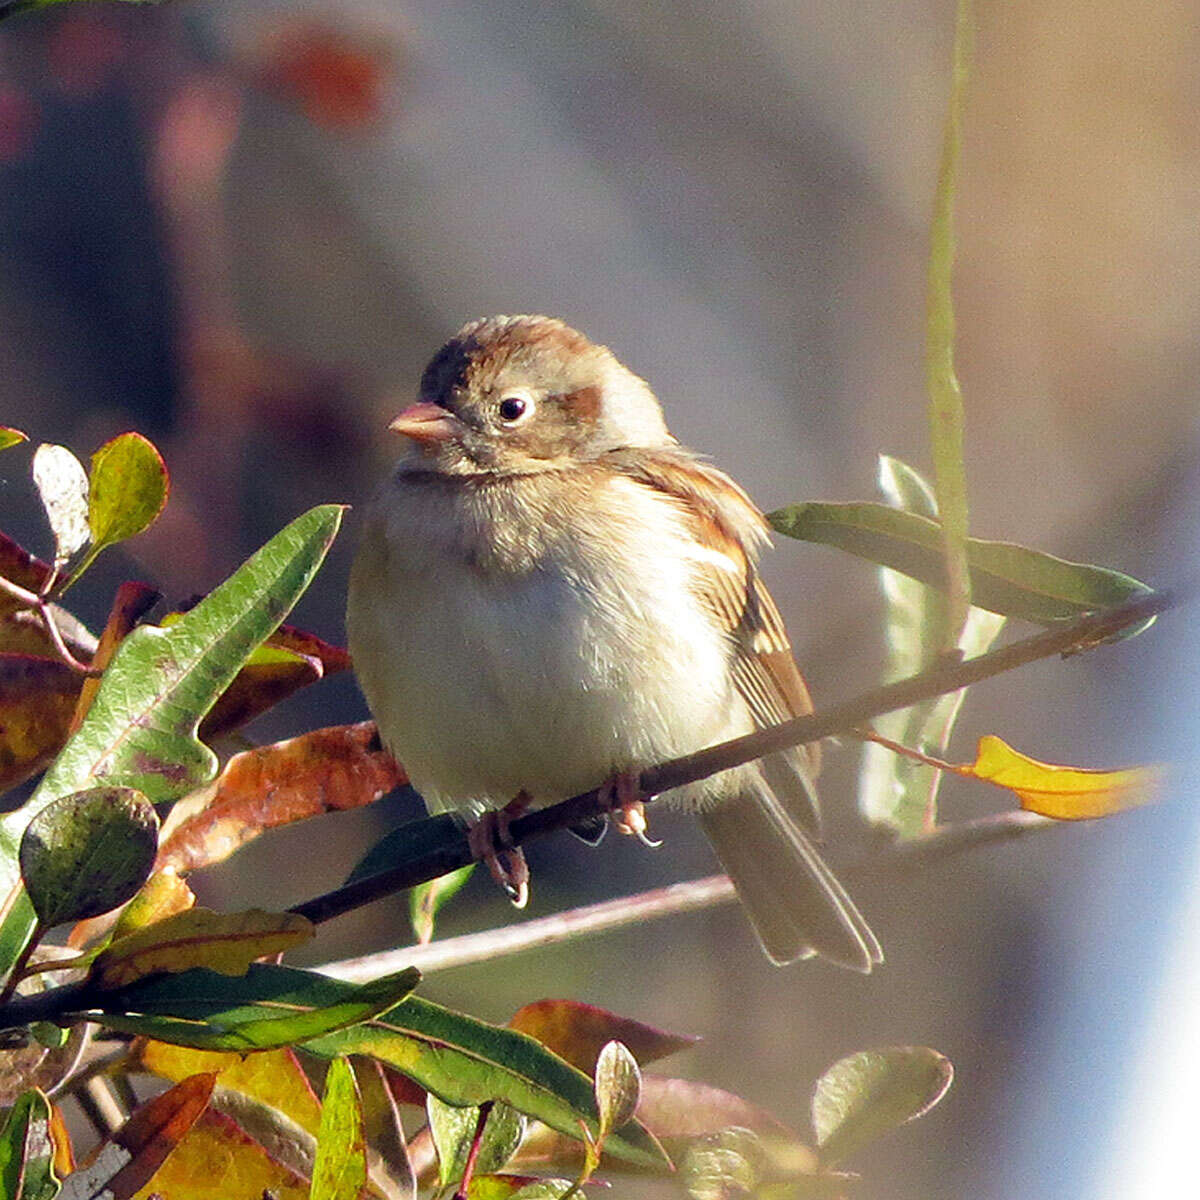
[56,637]
[693,896]
[1086,633]
[869,735]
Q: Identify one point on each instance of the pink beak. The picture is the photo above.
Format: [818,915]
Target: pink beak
[425,422]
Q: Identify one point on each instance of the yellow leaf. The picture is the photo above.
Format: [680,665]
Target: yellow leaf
[217,1160]
[1065,793]
[273,1077]
[223,942]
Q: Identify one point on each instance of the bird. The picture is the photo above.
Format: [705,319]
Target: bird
[550,593]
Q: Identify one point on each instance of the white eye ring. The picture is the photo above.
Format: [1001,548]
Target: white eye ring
[515,407]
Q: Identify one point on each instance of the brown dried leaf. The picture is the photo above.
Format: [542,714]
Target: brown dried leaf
[37,698]
[18,566]
[577,1031]
[327,770]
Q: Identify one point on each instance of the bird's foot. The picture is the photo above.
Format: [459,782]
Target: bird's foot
[491,843]
[622,796]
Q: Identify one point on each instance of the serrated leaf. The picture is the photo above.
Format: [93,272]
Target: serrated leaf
[63,487]
[127,489]
[464,1061]
[87,853]
[1012,580]
[27,1150]
[618,1086]
[578,1032]
[1064,793]
[865,1095]
[135,1152]
[11,437]
[269,1006]
[427,899]
[141,729]
[198,937]
[340,1170]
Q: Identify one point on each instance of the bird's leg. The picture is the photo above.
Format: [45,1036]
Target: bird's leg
[622,796]
[492,844]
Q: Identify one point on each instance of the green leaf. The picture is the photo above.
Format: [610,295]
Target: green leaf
[464,1061]
[27,1151]
[127,489]
[409,841]
[1012,580]
[867,1094]
[269,1006]
[141,729]
[941,379]
[63,487]
[453,1130]
[11,437]
[340,1168]
[618,1086]
[87,853]
[426,900]
[894,791]
[724,1164]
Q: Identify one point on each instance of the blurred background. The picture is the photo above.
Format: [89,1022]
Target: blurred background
[242,229]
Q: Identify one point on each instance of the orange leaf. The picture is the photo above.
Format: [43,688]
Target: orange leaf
[326,770]
[273,1077]
[257,687]
[37,697]
[60,1139]
[162,895]
[577,1031]
[218,1160]
[137,1150]
[224,942]
[1065,793]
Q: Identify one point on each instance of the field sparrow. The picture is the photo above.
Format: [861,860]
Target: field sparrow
[551,592]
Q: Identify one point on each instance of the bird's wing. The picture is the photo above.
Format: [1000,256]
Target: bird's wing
[729,530]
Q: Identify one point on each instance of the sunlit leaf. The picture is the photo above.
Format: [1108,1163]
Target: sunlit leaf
[1065,793]
[198,937]
[88,852]
[325,770]
[27,1151]
[577,1031]
[516,1187]
[268,1007]
[272,1077]
[463,1061]
[618,1086]
[162,895]
[723,1165]
[140,730]
[37,698]
[135,1152]
[865,1095]
[1005,578]
[63,487]
[218,1160]
[426,900]
[128,488]
[340,1172]
[11,437]
[895,791]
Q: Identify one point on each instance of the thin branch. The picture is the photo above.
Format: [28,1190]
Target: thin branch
[693,896]
[1084,634]
[27,598]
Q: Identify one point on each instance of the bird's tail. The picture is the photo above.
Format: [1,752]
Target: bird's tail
[795,903]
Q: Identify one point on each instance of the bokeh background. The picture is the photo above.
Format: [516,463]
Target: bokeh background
[241,228]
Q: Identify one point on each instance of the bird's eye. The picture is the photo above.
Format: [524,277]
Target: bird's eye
[514,408]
